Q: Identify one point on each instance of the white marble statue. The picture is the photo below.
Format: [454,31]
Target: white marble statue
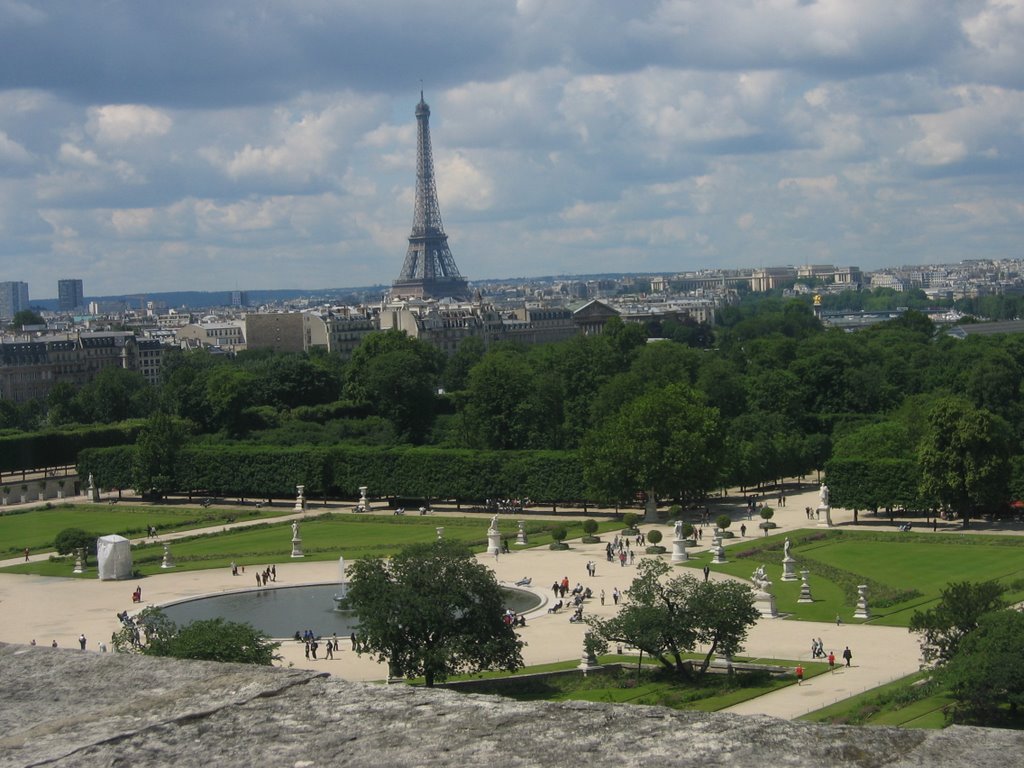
[295,529]
[679,529]
[823,493]
[785,549]
[494,523]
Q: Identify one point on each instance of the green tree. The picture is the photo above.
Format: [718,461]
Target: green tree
[498,402]
[964,458]
[26,317]
[961,605]
[456,370]
[434,611]
[665,442]
[115,394]
[668,618]
[985,673]
[208,640]
[156,455]
[69,540]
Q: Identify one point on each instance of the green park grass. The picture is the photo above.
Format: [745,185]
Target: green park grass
[628,682]
[323,538]
[902,703]
[905,571]
[36,528]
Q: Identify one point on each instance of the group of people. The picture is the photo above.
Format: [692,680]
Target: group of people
[818,652]
[513,619]
[619,549]
[269,574]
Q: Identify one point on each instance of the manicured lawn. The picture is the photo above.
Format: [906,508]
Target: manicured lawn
[323,538]
[905,571]
[36,528]
[901,703]
[630,685]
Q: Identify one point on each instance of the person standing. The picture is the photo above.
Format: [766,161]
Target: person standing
[81,641]
[799,674]
[330,650]
[602,597]
[847,656]
[707,572]
[831,661]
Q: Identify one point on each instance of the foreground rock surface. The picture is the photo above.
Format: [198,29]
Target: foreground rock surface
[68,708]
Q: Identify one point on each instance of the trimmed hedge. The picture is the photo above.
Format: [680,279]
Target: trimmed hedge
[54,448]
[873,483]
[428,473]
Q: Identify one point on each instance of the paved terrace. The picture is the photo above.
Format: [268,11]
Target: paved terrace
[47,609]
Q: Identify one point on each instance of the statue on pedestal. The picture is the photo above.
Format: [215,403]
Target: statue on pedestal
[785,549]
[295,530]
[823,494]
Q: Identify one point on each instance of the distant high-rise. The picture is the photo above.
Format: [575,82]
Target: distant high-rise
[69,295]
[429,270]
[13,299]
[239,298]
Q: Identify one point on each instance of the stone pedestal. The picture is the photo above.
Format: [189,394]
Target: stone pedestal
[587,660]
[493,541]
[789,569]
[92,492]
[805,588]
[168,561]
[78,562]
[679,551]
[440,532]
[764,601]
[300,498]
[825,517]
[521,539]
[863,611]
[718,551]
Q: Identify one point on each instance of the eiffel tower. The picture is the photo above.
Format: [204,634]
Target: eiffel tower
[429,270]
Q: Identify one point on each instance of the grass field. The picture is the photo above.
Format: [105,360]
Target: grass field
[631,684]
[323,538]
[905,572]
[904,703]
[36,528]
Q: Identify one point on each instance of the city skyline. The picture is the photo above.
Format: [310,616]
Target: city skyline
[591,138]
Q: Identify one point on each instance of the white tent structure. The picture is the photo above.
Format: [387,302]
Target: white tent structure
[114,554]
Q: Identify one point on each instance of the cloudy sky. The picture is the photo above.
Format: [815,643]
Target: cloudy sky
[148,145]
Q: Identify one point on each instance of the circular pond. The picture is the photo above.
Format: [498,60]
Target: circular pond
[283,611]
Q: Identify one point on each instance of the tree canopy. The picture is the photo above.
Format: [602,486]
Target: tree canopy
[432,611]
[154,634]
[958,611]
[666,442]
[669,617]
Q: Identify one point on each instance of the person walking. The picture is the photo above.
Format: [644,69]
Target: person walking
[602,597]
[799,674]
[831,661]
[707,572]
[847,655]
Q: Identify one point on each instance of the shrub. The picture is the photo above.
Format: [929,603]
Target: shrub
[71,539]
[558,533]
[630,519]
[723,522]
[675,512]
[654,537]
[767,513]
[589,527]
[688,531]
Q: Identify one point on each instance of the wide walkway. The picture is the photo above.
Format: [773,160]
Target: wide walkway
[48,609]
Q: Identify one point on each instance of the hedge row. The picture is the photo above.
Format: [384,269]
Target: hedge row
[873,483]
[32,450]
[427,473]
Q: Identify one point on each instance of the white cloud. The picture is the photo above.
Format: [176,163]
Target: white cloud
[117,123]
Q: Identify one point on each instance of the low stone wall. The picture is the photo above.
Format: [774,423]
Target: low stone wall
[73,708]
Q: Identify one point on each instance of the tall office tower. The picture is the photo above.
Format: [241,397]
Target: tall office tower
[429,270]
[70,295]
[13,299]
[239,298]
